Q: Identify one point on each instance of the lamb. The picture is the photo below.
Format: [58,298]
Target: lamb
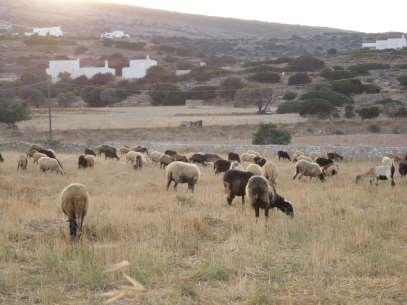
[181,172]
[212,157]
[1,158]
[283,155]
[165,160]
[221,166]
[324,162]
[50,164]
[255,169]
[246,157]
[271,173]
[74,204]
[403,168]
[89,152]
[233,157]
[330,170]
[308,169]
[260,161]
[22,163]
[36,156]
[155,156]
[380,172]
[261,197]
[234,182]
[334,156]
[236,165]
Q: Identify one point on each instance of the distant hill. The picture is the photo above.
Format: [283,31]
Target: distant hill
[93,18]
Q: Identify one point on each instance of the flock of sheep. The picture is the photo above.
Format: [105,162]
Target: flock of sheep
[257,181]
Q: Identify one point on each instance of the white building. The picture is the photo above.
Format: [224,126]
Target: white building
[55,31]
[391,43]
[138,68]
[72,67]
[115,35]
[182,72]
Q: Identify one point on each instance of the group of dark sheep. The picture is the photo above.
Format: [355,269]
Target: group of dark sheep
[258,182]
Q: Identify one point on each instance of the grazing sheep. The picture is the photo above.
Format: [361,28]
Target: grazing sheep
[181,158]
[330,170]
[212,157]
[1,158]
[271,173]
[403,168]
[138,163]
[260,161]
[124,150]
[36,156]
[165,160]
[334,156]
[252,152]
[235,182]
[140,149]
[236,165]
[246,157]
[50,164]
[308,169]
[233,157]
[82,163]
[181,172]
[387,161]
[155,156]
[302,157]
[255,169]
[90,161]
[74,204]
[283,155]
[221,166]
[380,172]
[323,162]
[170,152]
[110,152]
[132,157]
[89,152]
[22,162]
[198,158]
[260,196]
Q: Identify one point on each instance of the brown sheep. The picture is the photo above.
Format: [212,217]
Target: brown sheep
[22,163]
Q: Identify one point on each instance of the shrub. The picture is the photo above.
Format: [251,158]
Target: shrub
[32,96]
[306,64]
[320,107]
[374,128]
[363,69]
[348,86]
[167,95]
[91,96]
[332,51]
[403,80]
[334,98]
[230,85]
[13,110]
[66,99]
[159,74]
[389,101]
[270,134]
[266,77]
[369,112]
[401,112]
[331,74]
[202,93]
[289,96]
[102,79]
[290,107]
[371,88]
[349,111]
[110,96]
[299,79]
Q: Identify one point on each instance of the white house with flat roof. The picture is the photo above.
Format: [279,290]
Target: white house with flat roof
[74,69]
[115,35]
[55,31]
[391,43]
[138,68]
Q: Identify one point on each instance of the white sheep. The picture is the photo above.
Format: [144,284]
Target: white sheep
[271,173]
[36,156]
[252,152]
[255,169]
[302,157]
[74,204]
[387,161]
[380,172]
[182,172]
[50,164]
[132,156]
[22,162]
[90,161]
[155,156]
[246,157]
[308,169]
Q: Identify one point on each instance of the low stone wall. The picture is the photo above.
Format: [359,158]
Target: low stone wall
[349,152]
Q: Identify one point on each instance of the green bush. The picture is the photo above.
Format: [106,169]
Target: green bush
[289,96]
[91,96]
[167,95]
[369,112]
[266,77]
[290,107]
[331,74]
[349,111]
[34,97]
[389,101]
[299,79]
[320,107]
[270,134]
[306,64]
[401,112]
[363,69]
[334,98]
[403,80]
[348,86]
[332,51]
[13,110]
[374,128]
[371,88]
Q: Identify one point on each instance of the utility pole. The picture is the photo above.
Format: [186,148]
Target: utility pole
[49,111]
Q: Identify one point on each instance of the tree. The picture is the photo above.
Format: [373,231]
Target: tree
[320,107]
[102,79]
[261,97]
[66,99]
[167,95]
[289,96]
[306,64]
[110,96]
[369,112]
[403,80]
[270,134]
[349,111]
[91,96]
[332,97]
[299,79]
[348,86]
[13,110]
[229,87]
[332,51]
[266,77]
[159,74]
[32,96]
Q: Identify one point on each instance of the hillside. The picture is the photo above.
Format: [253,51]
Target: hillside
[95,17]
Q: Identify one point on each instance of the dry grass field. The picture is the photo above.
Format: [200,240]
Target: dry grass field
[347,243]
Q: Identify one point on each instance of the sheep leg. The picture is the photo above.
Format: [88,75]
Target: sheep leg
[242,200]
[230,199]
[175,185]
[257,212]
[169,183]
[72,227]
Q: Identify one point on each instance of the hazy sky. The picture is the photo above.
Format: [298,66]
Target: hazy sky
[358,15]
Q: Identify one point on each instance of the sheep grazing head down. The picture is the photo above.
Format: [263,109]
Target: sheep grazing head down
[1,158]
[282,204]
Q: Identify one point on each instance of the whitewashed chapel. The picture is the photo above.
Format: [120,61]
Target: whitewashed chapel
[391,43]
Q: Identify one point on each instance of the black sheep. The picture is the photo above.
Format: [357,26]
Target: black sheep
[89,151]
[111,154]
[235,182]
[260,161]
[221,166]
[82,163]
[170,152]
[283,155]
[323,162]
[212,157]
[141,149]
[334,156]
[198,158]
[403,169]
[233,157]
[1,158]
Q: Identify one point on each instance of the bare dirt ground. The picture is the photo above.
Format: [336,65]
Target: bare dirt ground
[345,245]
